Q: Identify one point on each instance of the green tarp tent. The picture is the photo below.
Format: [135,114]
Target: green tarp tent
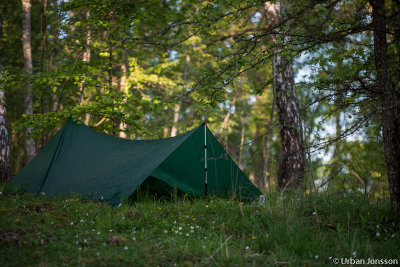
[81,160]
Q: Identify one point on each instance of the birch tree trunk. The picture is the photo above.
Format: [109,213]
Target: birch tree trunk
[292,159]
[29,143]
[5,157]
[389,98]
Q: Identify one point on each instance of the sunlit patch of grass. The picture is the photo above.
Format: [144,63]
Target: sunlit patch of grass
[289,229]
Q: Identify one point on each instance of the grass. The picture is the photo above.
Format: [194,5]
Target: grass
[288,229]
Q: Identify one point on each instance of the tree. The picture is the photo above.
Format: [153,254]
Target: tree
[292,158]
[29,144]
[389,101]
[5,157]
[314,27]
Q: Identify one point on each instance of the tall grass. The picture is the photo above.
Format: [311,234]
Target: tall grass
[288,229]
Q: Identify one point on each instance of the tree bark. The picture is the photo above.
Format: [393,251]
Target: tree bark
[242,134]
[122,86]
[5,157]
[227,116]
[389,98]
[165,132]
[29,143]
[335,157]
[292,159]
[174,130]
[177,107]
[270,123]
[85,58]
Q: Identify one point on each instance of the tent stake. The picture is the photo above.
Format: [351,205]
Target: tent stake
[205,158]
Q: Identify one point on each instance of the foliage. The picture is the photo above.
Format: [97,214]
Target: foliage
[229,43]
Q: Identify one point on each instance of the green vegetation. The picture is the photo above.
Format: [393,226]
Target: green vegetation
[288,229]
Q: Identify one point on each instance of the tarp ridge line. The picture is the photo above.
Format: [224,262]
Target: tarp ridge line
[52,159]
[169,154]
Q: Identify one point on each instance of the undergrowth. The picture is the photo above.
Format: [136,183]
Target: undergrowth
[288,229]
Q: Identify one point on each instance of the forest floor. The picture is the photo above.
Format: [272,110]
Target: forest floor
[288,229]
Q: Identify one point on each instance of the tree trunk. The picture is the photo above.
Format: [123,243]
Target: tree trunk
[177,107]
[335,157]
[243,121]
[122,85]
[292,158]
[227,116]
[389,99]
[29,143]
[5,158]
[174,130]
[266,152]
[85,58]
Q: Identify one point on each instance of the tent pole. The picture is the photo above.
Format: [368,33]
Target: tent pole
[205,158]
